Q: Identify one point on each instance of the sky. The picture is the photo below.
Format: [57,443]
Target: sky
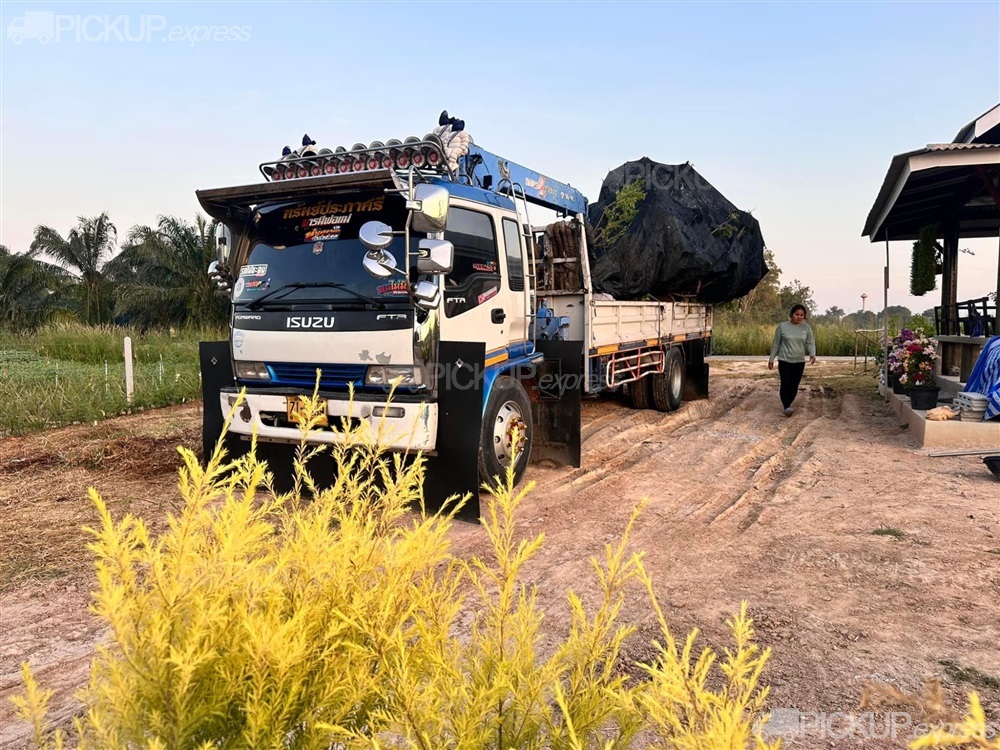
[792,110]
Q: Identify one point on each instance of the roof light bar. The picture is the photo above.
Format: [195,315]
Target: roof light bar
[422,153]
[433,157]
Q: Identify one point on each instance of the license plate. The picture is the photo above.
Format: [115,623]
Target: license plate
[297,410]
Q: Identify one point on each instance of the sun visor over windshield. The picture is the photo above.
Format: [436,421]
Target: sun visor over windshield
[234,203]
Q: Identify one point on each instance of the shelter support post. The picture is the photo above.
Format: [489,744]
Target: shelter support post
[995,194]
[885,320]
[949,296]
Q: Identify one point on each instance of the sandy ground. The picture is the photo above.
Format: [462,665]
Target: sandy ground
[743,503]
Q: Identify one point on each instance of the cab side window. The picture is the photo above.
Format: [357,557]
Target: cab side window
[475,242]
[515,264]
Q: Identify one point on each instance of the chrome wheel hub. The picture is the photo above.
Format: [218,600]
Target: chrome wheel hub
[675,380]
[510,433]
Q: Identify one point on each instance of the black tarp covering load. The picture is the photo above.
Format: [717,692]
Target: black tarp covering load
[685,239]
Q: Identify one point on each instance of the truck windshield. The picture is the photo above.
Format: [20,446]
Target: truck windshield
[311,252]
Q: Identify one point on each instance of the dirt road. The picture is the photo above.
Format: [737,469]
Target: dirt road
[862,558]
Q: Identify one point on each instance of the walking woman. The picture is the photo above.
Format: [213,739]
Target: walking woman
[793,339]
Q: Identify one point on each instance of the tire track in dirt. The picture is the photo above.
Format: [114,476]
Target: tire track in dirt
[785,473]
[612,444]
[796,468]
[731,469]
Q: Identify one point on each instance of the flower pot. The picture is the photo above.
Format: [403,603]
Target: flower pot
[898,388]
[923,397]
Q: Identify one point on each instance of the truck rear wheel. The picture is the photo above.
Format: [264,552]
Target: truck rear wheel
[668,387]
[639,396]
[508,413]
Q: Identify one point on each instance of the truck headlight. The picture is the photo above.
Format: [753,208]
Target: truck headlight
[379,375]
[246,370]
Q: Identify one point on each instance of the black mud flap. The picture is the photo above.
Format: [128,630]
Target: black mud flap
[696,376]
[556,403]
[216,374]
[455,468]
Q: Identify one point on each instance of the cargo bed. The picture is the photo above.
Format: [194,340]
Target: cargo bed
[622,343]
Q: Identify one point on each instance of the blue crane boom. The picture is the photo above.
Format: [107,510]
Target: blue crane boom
[496,173]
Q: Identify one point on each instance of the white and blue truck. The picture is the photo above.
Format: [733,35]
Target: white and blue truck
[384,264]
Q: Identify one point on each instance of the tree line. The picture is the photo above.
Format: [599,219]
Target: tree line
[156,277]
[771,301]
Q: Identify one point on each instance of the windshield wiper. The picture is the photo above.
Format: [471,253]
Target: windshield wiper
[286,288]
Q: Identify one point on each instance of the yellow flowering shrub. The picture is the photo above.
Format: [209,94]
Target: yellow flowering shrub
[338,618]
[971,732]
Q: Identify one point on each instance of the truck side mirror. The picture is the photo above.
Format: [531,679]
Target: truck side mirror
[219,274]
[435,256]
[430,208]
[223,243]
[426,295]
[375,235]
[379,263]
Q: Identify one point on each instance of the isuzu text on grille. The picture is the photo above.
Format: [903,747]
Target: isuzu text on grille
[303,321]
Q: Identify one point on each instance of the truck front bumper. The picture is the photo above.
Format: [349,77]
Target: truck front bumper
[398,426]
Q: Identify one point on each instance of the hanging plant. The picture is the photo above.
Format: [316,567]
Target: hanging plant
[923,269]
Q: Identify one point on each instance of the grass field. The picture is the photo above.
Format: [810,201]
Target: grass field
[749,339]
[69,374]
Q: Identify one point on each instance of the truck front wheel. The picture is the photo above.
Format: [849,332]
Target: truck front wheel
[212,431]
[668,387]
[507,431]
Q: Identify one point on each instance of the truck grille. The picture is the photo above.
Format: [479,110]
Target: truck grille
[304,374]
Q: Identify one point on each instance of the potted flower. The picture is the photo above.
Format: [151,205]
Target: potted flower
[919,356]
[897,359]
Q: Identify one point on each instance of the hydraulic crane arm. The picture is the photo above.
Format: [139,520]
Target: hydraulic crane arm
[495,173]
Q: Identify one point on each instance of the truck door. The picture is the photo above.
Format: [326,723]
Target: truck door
[474,308]
[514,289]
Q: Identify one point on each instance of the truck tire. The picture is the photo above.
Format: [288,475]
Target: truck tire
[507,408]
[280,460]
[639,396]
[668,387]
[235,446]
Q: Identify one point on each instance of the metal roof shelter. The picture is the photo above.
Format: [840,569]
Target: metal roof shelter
[947,183]
[954,186]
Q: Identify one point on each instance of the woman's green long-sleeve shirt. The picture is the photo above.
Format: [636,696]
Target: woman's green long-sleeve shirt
[792,342]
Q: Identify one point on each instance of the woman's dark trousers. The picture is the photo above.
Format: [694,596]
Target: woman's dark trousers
[791,375]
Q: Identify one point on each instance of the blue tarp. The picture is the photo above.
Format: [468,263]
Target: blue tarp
[985,377]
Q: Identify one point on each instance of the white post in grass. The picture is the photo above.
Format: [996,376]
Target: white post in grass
[129,382]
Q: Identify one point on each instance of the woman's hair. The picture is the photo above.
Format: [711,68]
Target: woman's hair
[796,308]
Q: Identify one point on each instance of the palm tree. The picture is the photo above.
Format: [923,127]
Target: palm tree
[161,275]
[29,289]
[84,252]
